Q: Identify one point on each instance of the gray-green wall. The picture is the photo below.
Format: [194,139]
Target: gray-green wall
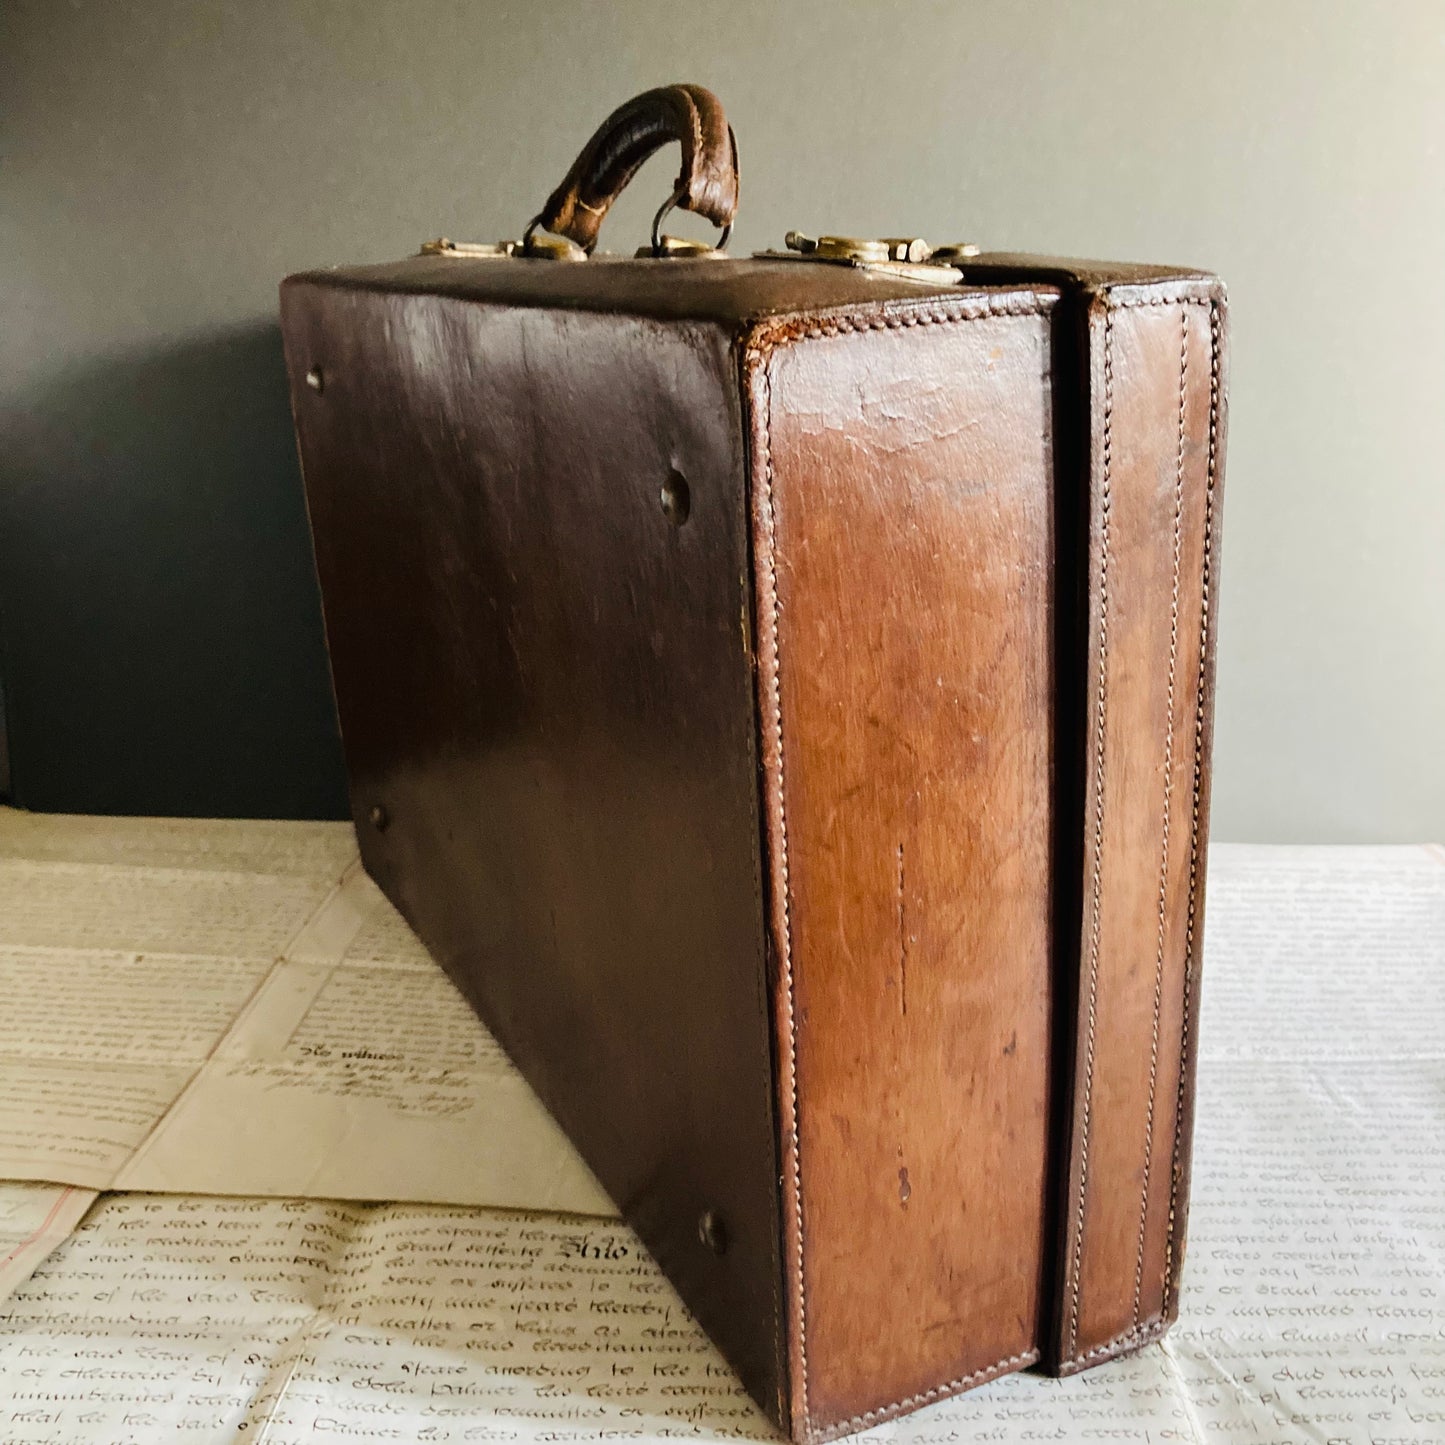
[162,165]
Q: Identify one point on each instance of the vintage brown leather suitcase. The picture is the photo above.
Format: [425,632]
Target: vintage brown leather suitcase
[778,690]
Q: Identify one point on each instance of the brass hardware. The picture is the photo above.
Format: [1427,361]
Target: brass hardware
[316,379]
[913,249]
[551,248]
[849,248]
[548,248]
[910,258]
[665,246]
[951,255]
[537,244]
[681,248]
[444,247]
[559,248]
[905,258]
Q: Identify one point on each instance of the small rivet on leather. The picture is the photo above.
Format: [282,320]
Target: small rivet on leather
[316,379]
[713,1232]
[676,498]
[379,817]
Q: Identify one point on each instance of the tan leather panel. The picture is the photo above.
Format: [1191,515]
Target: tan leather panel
[1155,384]
[902,491]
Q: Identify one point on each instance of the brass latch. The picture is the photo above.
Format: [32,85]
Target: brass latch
[908,258]
[444,247]
[546,248]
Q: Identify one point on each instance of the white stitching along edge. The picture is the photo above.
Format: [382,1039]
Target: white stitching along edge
[759,350]
[1184,299]
[1163,901]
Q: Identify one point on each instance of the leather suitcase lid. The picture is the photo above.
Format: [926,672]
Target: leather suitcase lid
[730,292]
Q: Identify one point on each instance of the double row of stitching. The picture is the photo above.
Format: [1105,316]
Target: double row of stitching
[1172,1256]
[1144,1329]
[759,352]
[1101,708]
[1163,901]
[1135,1337]
[913,1402]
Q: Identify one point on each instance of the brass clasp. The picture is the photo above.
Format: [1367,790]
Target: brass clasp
[546,248]
[956,253]
[905,258]
[909,250]
[444,247]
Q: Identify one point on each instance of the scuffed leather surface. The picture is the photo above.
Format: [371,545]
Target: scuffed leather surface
[903,519]
[548,688]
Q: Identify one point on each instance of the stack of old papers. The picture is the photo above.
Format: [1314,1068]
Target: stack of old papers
[233,1008]
[216,1010]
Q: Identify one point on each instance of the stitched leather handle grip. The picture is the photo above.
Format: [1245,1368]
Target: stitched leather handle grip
[688,114]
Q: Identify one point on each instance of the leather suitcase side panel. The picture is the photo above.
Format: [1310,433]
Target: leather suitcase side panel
[1156,386]
[547,686]
[903,526]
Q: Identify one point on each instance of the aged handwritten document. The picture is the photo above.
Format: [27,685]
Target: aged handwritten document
[34,1220]
[1313,1311]
[233,1007]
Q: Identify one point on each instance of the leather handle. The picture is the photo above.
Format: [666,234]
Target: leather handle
[688,114]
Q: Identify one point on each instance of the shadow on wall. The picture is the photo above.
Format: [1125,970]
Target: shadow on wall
[159,615]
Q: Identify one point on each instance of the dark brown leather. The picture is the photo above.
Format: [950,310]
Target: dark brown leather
[706,184]
[545,685]
[745,289]
[759,840]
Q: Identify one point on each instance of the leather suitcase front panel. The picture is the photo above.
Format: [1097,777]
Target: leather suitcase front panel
[547,686]
[902,479]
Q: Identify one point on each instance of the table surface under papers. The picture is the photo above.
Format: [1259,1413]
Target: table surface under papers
[1314,1295]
